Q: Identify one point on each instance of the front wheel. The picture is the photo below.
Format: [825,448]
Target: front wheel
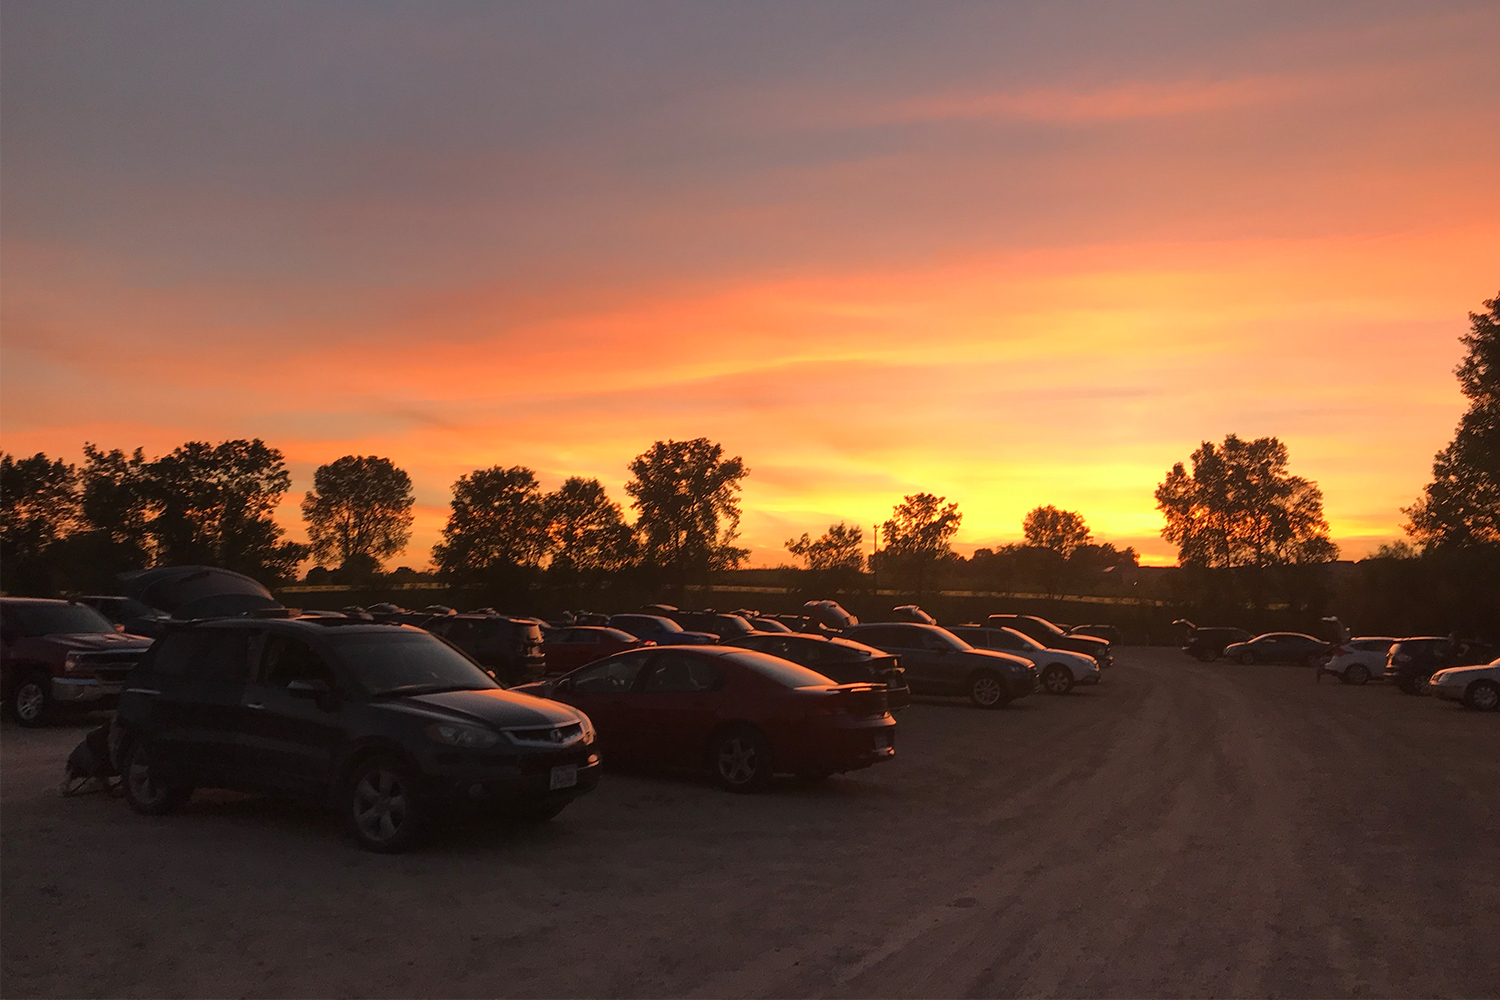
[1357,674]
[145,790]
[741,759]
[1483,696]
[1057,679]
[1247,658]
[987,690]
[30,702]
[382,808]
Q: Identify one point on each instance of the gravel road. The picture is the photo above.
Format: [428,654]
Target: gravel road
[1182,830]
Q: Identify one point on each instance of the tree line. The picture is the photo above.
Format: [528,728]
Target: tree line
[1239,508]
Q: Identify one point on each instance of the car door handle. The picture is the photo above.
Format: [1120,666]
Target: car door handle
[151,692]
[255,704]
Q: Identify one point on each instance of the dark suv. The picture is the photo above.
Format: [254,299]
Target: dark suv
[385,723]
[938,662]
[56,654]
[510,648]
[1411,662]
[1052,637]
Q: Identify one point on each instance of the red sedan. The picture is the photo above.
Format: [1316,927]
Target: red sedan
[741,714]
[569,648]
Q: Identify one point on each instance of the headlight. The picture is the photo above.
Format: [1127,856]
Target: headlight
[72,662]
[454,735]
[588,728]
[1015,668]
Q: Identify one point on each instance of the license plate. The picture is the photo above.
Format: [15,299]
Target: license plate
[564,776]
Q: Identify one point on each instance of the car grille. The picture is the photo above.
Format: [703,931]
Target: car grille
[109,667]
[549,736]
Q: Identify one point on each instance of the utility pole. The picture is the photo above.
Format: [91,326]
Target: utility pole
[874,562]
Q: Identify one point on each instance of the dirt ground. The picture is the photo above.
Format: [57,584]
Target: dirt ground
[1182,830]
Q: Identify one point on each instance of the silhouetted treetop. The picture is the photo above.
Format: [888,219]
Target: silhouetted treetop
[1461,506]
[360,508]
[841,547]
[1062,531]
[687,498]
[1240,507]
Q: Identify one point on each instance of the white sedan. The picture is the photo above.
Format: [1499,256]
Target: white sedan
[1477,687]
[1355,661]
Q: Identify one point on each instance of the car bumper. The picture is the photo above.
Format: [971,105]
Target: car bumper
[79,690]
[850,747]
[528,785]
[1448,692]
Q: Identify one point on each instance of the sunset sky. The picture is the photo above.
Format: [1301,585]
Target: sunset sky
[1013,254]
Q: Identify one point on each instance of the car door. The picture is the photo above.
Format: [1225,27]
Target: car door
[602,691]
[195,685]
[924,665]
[291,740]
[674,708]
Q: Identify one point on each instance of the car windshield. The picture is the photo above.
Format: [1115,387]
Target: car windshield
[732,625]
[1046,626]
[783,672]
[55,619]
[1026,640]
[646,622]
[397,663]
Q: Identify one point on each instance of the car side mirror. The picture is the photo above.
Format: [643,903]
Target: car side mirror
[561,684]
[119,627]
[313,689]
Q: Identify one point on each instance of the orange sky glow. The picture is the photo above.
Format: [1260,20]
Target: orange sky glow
[1013,256]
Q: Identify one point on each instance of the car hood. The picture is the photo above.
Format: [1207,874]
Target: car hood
[91,642]
[493,707]
[995,654]
[1470,670]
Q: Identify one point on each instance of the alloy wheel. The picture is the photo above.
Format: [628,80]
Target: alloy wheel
[30,699]
[143,786]
[380,804]
[986,691]
[1057,681]
[738,760]
[1485,697]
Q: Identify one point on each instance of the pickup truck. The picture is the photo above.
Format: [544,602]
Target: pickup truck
[60,654]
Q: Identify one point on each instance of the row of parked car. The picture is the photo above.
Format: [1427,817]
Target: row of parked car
[394,723]
[1448,667]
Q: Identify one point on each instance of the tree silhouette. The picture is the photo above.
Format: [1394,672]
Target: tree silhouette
[1240,507]
[841,547]
[496,522]
[1062,531]
[1461,506]
[116,498]
[585,529]
[214,504]
[38,507]
[358,511]
[686,495]
[917,537]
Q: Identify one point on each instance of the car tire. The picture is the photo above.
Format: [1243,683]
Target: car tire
[987,690]
[382,806]
[1247,658]
[1483,696]
[1356,674]
[740,758]
[1057,679]
[1206,656]
[1410,686]
[30,700]
[145,793]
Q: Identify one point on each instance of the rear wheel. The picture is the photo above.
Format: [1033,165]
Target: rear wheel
[145,790]
[741,759]
[382,807]
[1247,658]
[987,690]
[1057,679]
[1357,674]
[1483,696]
[30,701]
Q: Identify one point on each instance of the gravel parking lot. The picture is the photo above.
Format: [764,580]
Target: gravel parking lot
[1183,829]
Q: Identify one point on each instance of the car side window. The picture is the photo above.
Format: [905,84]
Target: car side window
[215,662]
[583,638]
[676,673]
[177,652]
[288,659]
[612,676]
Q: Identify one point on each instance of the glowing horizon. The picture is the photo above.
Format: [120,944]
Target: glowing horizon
[1036,258]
